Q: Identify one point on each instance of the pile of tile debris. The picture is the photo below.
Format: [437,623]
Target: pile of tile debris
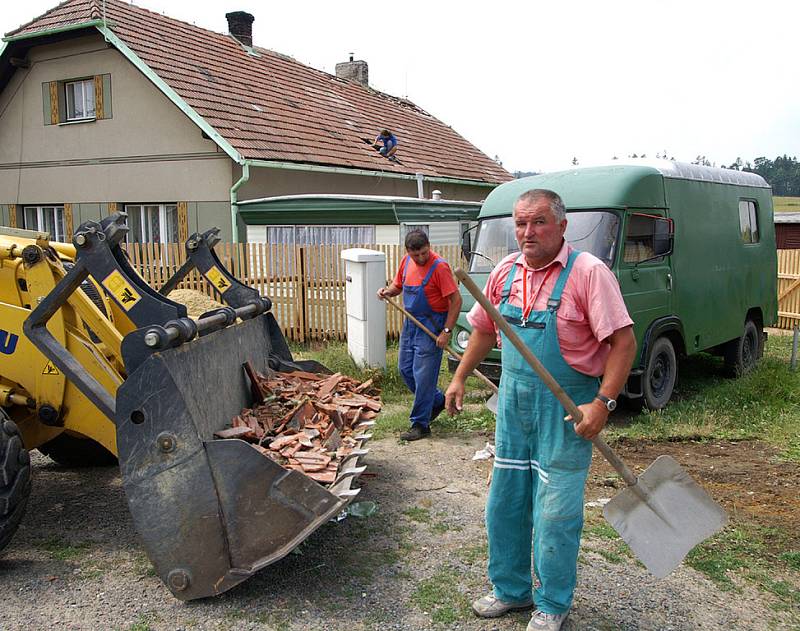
[306,421]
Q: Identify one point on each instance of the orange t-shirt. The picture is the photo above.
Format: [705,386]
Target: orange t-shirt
[440,285]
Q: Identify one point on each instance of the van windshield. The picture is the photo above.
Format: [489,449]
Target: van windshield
[592,231]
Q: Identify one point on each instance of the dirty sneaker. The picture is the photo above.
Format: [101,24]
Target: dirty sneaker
[415,433]
[541,621]
[492,607]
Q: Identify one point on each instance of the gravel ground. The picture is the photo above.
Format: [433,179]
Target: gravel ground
[415,564]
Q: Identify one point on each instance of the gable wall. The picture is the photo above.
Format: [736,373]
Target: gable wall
[149,151]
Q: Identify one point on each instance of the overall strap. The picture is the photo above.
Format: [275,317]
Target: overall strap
[554,302]
[509,280]
[430,272]
[404,265]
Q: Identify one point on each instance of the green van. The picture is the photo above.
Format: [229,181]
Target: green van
[693,248]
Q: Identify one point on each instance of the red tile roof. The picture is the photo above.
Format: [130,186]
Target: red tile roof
[271,107]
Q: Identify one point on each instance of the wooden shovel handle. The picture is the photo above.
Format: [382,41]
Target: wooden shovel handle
[545,376]
[475,372]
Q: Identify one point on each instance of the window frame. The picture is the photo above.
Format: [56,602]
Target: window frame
[72,83]
[163,223]
[59,222]
[752,218]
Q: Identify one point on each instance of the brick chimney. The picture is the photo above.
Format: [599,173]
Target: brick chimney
[240,25]
[353,71]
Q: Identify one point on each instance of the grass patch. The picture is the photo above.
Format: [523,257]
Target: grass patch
[763,405]
[418,514]
[439,596]
[59,550]
[473,554]
[786,204]
[144,622]
[792,559]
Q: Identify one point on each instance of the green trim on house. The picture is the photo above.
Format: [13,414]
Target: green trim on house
[353,209]
[302,166]
[171,94]
[54,31]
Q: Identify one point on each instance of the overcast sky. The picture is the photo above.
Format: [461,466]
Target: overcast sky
[538,83]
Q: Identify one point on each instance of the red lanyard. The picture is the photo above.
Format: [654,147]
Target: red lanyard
[528,307]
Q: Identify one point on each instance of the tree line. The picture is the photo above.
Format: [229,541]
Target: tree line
[782,173]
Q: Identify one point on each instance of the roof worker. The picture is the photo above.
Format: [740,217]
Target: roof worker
[567,308]
[431,295]
[389,144]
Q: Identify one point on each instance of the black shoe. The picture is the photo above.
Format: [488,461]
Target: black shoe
[415,433]
[436,411]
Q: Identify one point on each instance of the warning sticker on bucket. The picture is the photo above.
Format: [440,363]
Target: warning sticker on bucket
[121,289]
[217,278]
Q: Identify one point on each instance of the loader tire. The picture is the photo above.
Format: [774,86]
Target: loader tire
[72,451]
[15,479]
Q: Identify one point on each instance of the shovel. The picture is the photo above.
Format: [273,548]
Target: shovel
[663,513]
[492,402]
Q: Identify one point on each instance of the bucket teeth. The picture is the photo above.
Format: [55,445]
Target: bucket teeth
[348,494]
[364,425]
[350,473]
[362,438]
[356,453]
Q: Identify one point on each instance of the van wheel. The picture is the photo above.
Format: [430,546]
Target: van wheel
[73,451]
[15,479]
[742,353]
[660,374]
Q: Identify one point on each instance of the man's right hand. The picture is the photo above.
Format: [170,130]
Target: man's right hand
[454,397]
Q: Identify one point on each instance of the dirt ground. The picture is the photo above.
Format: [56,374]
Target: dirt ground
[415,564]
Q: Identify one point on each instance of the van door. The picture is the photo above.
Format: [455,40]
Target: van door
[646,282]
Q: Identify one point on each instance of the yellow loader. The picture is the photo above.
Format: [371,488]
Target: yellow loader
[97,367]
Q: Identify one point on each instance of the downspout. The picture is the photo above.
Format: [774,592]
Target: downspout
[420,186]
[234,200]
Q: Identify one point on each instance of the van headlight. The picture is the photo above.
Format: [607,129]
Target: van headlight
[462,338]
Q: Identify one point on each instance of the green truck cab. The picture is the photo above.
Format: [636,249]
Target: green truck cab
[693,248]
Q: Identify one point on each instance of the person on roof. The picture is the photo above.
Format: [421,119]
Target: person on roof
[431,295]
[389,144]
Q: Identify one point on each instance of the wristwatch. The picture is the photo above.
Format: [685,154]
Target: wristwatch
[610,404]
[446,330]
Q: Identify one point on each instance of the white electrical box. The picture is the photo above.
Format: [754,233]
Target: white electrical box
[365,273]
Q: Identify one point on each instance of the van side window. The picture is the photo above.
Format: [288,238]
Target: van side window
[639,239]
[748,221]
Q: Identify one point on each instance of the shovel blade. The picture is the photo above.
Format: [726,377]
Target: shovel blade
[664,516]
[491,403]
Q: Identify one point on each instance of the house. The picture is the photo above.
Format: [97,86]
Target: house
[107,106]
[787,230]
[361,219]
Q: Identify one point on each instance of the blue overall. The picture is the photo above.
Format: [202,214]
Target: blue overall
[420,359]
[540,465]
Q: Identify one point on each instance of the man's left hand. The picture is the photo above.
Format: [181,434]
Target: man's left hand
[442,340]
[595,415]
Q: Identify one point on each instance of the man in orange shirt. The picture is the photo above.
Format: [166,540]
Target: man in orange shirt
[568,309]
[431,295]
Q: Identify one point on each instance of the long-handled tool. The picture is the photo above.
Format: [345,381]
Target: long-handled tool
[663,513]
[492,402]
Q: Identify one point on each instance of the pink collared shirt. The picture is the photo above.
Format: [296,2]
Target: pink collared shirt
[591,305]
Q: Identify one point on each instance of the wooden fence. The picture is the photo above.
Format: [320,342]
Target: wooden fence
[788,288]
[305,283]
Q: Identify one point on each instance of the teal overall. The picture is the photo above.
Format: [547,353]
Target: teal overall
[540,465]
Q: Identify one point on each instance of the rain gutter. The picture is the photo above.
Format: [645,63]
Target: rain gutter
[296,166]
[234,200]
[54,31]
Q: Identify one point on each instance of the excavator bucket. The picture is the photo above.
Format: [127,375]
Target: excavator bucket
[211,512]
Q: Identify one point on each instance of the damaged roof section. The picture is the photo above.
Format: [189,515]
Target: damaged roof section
[304,115]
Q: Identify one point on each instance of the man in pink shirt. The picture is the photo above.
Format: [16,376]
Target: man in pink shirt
[568,308]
